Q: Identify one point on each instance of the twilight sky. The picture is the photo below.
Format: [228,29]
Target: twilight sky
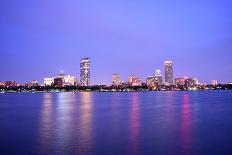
[40,38]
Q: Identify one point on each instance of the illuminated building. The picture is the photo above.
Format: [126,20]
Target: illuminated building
[168,69]
[180,81]
[48,81]
[214,82]
[196,81]
[67,80]
[186,82]
[85,72]
[116,80]
[158,77]
[33,83]
[150,81]
[1,83]
[10,84]
[134,80]
[58,82]
[70,80]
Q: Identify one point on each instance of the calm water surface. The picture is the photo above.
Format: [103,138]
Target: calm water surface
[198,122]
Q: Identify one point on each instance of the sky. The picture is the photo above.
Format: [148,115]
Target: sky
[40,38]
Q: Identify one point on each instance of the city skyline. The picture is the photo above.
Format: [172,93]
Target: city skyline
[160,77]
[126,37]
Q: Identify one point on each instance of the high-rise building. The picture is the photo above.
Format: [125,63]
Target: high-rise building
[85,72]
[116,80]
[134,80]
[168,69]
[158,77]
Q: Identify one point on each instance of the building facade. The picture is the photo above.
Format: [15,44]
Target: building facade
[85,72]
[158,77]
[214,82]
[186,82]
[150,81]
[168,71]
[61,80]
[134,80]
[116,81]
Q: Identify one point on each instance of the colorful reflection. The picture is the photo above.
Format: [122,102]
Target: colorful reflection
[46,124]
[134,125]
[85,123]
[186,134]
[64,121]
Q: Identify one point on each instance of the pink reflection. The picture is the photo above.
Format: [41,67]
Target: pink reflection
[134,125]
[85,123]
[186,134]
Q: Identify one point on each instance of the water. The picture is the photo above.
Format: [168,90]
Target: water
[198,122]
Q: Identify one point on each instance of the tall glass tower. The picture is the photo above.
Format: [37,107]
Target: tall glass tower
[85,72]
[168,69]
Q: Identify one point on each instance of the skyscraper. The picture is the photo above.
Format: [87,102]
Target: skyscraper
[158,77]
[168,69]
[85,72]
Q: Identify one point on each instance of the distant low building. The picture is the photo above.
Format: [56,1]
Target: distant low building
[33,83]
[48,81]
[150,81]
[186,82]
[134,80]
[10,84]
[61,80]
[70,80]
[2,83]
[214,82]
[58,82]
[116,81]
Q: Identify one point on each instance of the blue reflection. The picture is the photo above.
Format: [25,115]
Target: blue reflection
[46,124]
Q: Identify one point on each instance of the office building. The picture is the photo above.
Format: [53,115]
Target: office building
[48,81]
[214,82]
[168,69]
[150,81]
[158,77]
[70,80]
[134,80]
[58,82]
[85,72]
[116,81]
[186,82]
[61,80]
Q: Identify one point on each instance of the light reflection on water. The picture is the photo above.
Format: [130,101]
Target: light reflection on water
[46,124]
[85,123]
[134,124]
[186,135]
[127,123]
[64,122]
